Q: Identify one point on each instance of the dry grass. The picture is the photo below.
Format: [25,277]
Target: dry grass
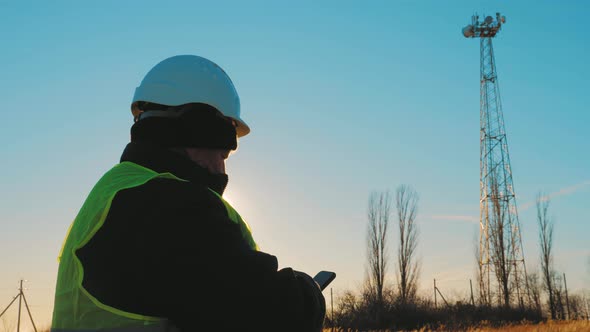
[551,326]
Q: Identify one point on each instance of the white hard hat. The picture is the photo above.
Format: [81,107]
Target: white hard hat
[184,79]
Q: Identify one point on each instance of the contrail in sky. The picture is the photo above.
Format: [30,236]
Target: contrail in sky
[560,192]
[523,207]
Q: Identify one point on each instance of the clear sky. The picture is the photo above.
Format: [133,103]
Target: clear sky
[343,98]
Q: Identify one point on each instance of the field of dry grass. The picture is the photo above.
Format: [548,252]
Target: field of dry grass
[552,326]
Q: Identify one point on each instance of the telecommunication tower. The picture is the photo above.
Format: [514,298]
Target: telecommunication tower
[502,271]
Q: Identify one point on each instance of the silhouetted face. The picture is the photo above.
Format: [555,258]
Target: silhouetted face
[211,159]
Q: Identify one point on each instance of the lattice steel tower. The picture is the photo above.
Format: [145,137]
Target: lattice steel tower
[502,271]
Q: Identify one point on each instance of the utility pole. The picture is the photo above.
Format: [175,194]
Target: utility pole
[587,311]
[567,300]
[500,243]
[21,297]
[435,293]
[471,288]
[332,308]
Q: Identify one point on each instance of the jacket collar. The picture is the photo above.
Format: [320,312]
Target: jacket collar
[162,160]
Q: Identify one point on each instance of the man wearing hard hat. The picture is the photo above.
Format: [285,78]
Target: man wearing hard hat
[155,247]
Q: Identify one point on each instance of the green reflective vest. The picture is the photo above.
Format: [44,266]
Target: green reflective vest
[75,309]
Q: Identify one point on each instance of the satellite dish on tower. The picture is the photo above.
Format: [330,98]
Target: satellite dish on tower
[489,20]
[468,31]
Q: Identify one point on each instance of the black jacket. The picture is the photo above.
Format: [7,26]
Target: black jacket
[168,248]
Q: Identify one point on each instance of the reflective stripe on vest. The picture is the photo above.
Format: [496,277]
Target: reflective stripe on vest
[74,308]
[235,217]
[158,327]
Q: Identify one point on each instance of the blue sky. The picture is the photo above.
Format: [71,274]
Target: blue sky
[343,98]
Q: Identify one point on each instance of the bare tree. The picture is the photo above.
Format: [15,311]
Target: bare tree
[546,243]
[558,296]
[577,307]
[481,285]
[378,213]
[501,244]
[534,285]
[408,268]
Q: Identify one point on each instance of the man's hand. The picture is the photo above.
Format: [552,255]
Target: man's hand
[315,303]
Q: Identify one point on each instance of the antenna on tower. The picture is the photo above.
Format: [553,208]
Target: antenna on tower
[502,270]
[489,27]
[20,296]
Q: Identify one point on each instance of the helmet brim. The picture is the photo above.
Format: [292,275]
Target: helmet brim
[242,128]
